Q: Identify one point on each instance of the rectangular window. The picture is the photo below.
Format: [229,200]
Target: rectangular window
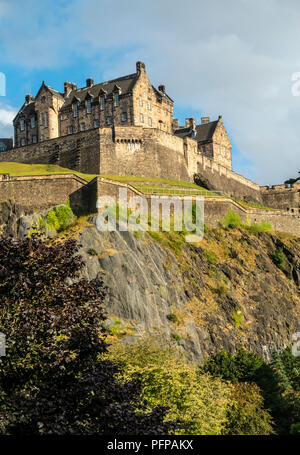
[109,120]
[42,138]
[89,107]
[22,125]
[96,123]
[149,121]
[23,141]
[203,149]
[46,119]
[32,122]
[149,105]
[102,103]
[42,118]
[34,139]
[75,110]
[141,100]
[82,126]
[116,99]
[70,129]
[141,118]
[124,117]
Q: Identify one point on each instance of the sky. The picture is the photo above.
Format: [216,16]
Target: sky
[235,58]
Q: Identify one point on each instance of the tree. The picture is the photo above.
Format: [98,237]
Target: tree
[52,379]
[198,401]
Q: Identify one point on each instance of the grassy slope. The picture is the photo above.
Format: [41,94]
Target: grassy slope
[141,183]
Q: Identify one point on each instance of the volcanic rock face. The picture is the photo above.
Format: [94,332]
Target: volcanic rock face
[228,291]
[234,289]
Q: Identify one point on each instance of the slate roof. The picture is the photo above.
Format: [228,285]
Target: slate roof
[26,110]
[125,84]
[204,132]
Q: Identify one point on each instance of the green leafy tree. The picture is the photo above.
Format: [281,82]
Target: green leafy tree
[246,413]
[52,380]
[198,401]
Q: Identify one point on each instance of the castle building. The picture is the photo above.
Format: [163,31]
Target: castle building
[211,137]
[126,101]
[6,144]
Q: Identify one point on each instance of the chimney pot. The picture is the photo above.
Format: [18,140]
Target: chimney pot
[68,87]
[205,120]
[89,82]
[28,98]
[190,123]
[140,66]
[162,88]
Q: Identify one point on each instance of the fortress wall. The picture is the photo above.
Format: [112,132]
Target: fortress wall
[78,151]
[219,178]
[39,192]
[142,152]
[215,208]
[281,196]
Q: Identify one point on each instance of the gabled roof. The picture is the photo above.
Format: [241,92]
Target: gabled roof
[26,110]
[125,84]
[204,132]
[50,89]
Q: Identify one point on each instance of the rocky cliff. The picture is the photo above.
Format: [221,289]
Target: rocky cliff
[234,289]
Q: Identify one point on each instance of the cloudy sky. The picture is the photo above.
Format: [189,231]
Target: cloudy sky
[234,57]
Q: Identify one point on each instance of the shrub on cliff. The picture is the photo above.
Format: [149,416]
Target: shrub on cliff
[199,401]
[232,220]
[51,379]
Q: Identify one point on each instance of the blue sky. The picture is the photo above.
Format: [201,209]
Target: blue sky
[239,64]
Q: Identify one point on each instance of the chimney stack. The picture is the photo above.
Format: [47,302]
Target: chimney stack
[190,123]
[205,120]
[162,88]
[69,87]
[28,99]
[175,124]
[140,67]
[89,82]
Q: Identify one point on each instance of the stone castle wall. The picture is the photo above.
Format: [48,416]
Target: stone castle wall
[215,208]
[216,177]
[281,196]
[148,152]
[39,192]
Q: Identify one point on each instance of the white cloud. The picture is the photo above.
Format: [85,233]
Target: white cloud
[234,58]
[7,115]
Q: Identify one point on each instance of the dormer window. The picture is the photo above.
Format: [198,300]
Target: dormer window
[32,122]
[102,103]
[116,99]
[89,107]
[22,125]
[75,110]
